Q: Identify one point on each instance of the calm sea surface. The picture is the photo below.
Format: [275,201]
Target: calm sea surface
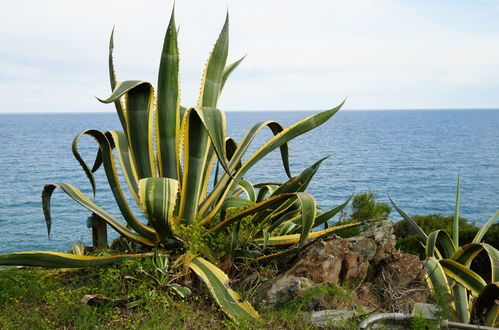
[412,155]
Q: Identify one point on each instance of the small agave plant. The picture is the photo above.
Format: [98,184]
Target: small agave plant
[448,267]
[167,154]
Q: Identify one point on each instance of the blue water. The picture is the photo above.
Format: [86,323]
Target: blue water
[412,155]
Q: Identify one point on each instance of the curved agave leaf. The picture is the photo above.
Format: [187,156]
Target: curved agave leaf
[194,133]
[461,301]
[248,189]
[290,216]
[288,228]
[266,189]
[301,181]
[276,212]
[140,117]
[465,255]
[158,197]
[235,162]
[277,141]
[196,149]
[218,284]
[479,236]
[120,142]
[234,202]
[230,147]
[437,280]
[83,200]
[441,237]
[237,202]
[468,278]
[120,109]
[295,238]
[214,122]
[139,102]
[114,184]
[211,84]
[61,260]
[228,70]
[86,169]
[271,257]
[308,209]
[208,166]
[121,88]
[296,184]
[485,307]
[324,217]
[168,106]
[268,203]
[412,224]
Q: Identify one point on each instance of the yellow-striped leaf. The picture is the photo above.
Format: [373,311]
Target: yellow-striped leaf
[158,197]
[196,151]
[218,284]
[168,105]
[486,307]
[114,184]
[444,241]
[83,200]
[268,203]
[479,236]
[120,108]
[228,70]
[325,216]
[412,224]
[465,255]
[437,280]
[295,238]
[62,260]
[468,278]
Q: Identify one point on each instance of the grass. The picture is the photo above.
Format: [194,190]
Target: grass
[36,298]
[39,298]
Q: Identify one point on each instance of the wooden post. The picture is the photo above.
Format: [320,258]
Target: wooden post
[99,231]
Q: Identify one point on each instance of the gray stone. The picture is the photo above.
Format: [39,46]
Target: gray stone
[331,317]
[286,288]
[366,247]
[427,311]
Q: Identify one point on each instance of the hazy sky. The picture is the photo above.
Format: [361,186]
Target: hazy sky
[302,55]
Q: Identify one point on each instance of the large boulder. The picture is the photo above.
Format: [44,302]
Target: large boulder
[369,262]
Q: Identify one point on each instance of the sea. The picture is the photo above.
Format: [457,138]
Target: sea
[414,156]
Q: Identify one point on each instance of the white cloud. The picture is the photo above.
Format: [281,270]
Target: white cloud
[381,54]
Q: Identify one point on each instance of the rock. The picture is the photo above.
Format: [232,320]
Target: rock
[287,287]
[353,268]
[428,311]
[331,317]
[383,277]
[327,262]
[366,247]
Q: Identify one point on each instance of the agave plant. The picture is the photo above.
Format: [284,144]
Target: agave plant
[167,154]
[448,267]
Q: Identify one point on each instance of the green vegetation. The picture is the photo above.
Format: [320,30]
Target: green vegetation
[408,242]
[125,297]
[365,207]
[199,216]
[448,266]
[166,155]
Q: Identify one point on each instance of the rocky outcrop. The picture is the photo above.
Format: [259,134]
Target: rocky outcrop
[383,278]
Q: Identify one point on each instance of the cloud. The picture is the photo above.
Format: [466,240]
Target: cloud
[381,54]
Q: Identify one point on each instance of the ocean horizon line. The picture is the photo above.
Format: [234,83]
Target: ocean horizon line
[260,110]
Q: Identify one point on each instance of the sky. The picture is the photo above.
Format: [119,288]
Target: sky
[301,55]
